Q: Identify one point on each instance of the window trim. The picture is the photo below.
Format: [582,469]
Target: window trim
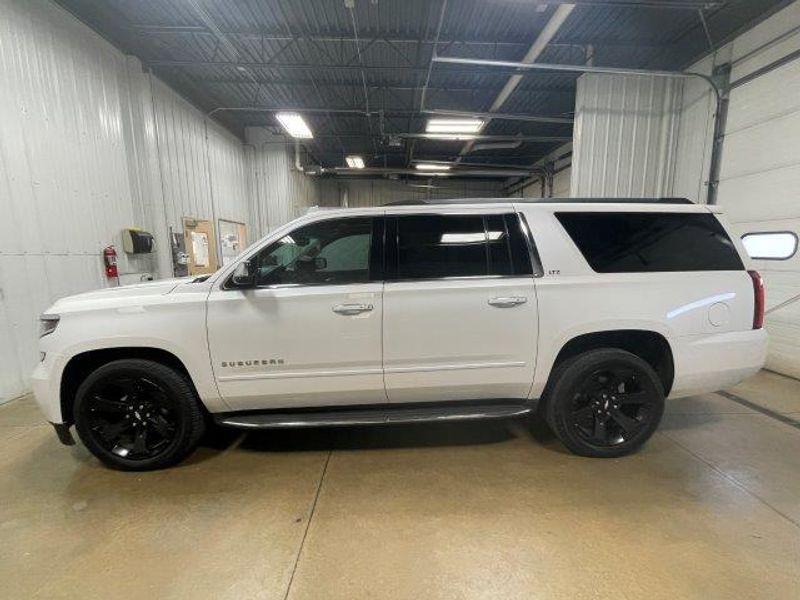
[533,252]
[792,233]
[377,244]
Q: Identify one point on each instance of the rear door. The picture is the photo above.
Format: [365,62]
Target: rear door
[460,310]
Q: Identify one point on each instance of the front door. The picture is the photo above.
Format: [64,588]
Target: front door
[460,315]
[309,334]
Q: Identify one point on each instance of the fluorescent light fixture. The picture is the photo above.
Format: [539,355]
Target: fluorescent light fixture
[469,238]
[454,126]
[354,162]
[432,167]
[294,125]
[458,137]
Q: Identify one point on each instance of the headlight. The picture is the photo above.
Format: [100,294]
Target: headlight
[48,324]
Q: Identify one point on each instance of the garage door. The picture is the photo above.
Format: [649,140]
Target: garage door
[760,186]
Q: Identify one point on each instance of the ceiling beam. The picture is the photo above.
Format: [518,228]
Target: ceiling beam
[182,64]
[379,86]
[512,171]
[200,12]
[343,38]
[659,4]
[547,34]
[502,116]
[390,113]
[495,138]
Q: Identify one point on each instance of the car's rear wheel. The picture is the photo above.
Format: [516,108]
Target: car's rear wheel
[138,415]
[604,403]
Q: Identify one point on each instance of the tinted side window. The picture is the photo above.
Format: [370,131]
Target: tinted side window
[651,242]
[330,252]
[433,246]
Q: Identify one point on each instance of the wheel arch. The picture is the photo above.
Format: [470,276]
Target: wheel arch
[651,346]
[82,364]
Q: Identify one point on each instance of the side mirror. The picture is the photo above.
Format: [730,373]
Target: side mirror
[244,276]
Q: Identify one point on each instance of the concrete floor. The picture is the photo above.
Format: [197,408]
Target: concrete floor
[709,509]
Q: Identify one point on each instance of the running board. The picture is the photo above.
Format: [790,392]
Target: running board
[373,416]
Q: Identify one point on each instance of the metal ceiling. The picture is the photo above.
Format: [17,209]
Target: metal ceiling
[358,74]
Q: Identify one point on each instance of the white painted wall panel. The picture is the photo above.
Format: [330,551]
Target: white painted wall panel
[377,192]
[760,190]
[695,131]
[767,42]
[281,193]
[89,145]
[65,191]
[625,135]
[533,190]
[760,176]
[769,145]
[202,169]
[562,182]
[760,168]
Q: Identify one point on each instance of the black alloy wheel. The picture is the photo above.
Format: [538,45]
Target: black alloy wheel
[604,403]
[138,414]
[132,417]
[612,406]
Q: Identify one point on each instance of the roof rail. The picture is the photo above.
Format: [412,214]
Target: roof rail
[542,201]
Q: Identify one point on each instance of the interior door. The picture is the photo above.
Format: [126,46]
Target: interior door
[460,314]
[201,246]
[309,333]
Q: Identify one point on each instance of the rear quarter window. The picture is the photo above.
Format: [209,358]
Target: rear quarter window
[624,242]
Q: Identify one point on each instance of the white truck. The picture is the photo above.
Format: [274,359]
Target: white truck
[590,312]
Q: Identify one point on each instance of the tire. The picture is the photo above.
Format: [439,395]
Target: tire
[138,415]
[604,403]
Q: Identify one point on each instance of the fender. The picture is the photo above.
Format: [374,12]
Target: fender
[549,349]
[199,370]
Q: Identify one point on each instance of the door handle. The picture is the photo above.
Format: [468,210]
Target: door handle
[351,309]
[508,302]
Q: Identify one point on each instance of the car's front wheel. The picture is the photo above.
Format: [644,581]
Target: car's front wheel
[138,415]
[604,403]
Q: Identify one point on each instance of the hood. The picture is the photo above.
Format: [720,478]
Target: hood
[137,290]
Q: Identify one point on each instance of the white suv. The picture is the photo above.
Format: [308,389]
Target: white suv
[589,311]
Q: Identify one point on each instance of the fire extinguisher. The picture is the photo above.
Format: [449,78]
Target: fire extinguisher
[110,260]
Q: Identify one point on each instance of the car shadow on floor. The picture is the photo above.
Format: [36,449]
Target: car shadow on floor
[369,437]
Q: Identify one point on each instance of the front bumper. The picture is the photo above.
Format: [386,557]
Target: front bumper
[46,384]
[63,433]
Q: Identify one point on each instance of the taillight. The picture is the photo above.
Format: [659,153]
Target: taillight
[758,297]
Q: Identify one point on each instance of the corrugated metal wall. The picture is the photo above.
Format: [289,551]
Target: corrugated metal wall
[202,168]
[280,192]
[625,135]
[62,156]
[89,145]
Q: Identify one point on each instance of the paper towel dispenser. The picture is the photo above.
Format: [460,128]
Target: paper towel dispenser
[136,241]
